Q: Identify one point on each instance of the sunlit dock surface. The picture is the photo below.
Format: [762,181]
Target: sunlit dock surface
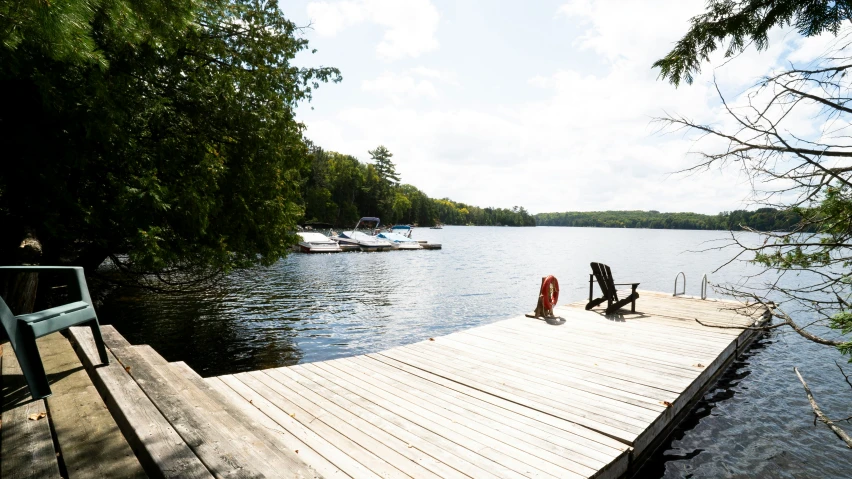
[585,396]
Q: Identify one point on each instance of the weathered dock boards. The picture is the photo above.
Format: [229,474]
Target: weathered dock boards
[588,396]
[585,396]
[76,426]
[177,424]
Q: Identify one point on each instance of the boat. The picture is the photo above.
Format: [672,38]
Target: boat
[364,241]
[401,236]
[314,241]
[404,230]
[438,226]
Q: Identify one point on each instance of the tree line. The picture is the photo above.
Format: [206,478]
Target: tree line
[160,137]
[338,189]
[763,219]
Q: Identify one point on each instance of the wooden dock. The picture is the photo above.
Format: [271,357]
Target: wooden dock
[589,396]
[585,396]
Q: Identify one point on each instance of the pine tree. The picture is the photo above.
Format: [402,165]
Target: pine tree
[741,23]
[381,157]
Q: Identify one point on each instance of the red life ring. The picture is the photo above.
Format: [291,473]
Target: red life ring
[550,296]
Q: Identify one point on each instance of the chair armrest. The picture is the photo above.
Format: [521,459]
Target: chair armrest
[53,312]
[77,275]
[35,268]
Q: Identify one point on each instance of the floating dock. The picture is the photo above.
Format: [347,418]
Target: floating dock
[583,396]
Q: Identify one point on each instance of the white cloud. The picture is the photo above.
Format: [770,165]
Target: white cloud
[439,75]
[406,86]
[410,26]
[583,139]
[399,87]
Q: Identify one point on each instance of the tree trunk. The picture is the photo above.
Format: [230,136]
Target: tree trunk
[19,289]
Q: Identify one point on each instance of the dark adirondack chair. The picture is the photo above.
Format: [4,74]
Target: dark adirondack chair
[23,329]
[602,274]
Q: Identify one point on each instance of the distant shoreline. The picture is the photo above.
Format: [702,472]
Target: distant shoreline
[763,219]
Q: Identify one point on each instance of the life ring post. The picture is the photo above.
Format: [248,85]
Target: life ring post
[548,296]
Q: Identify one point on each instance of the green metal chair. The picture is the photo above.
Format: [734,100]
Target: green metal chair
[25,328]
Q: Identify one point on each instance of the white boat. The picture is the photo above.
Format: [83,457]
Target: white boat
[438,226]
[401,236]
[404,230]
[313,242]
[365,241]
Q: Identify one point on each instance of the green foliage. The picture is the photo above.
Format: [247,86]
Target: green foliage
[842,322]
[339,189]
[182,154]
[831,219]
[743,22]
[764,219]
[74,30]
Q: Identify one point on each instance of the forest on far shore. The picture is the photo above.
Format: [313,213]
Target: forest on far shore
[763,219]
[339,189]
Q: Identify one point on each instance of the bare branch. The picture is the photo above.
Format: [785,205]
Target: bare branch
[822,417]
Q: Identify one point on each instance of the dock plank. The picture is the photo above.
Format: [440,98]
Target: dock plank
[388,448]
[421,438]
[605,368]
[83,426]
[281,435]
[510,391]
[489,434]
[572,397]
[489,459]
[261,449]
[540,445]
[549,374]
[580,449]
[26,446]
[363,457]
[160,449]
[393,443]
[318,443]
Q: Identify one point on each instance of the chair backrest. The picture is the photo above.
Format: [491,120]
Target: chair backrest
[10,323]
[603,275]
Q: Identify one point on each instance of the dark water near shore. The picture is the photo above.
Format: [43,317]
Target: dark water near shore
[756,422]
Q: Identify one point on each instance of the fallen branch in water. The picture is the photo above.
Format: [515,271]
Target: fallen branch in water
[742,328]
[819,414]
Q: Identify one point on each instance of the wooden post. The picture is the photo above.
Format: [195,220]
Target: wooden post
[540,310]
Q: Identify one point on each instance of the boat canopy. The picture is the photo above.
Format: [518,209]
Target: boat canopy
[372,219]
[401,227]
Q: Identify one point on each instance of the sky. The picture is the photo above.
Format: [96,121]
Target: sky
[549,105]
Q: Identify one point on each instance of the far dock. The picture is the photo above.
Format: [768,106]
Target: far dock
[585,396]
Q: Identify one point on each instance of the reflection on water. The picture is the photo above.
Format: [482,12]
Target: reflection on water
[315,307]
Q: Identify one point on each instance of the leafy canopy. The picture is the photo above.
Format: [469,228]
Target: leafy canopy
[72,30]
[339,189]
[182,155]
[743,22]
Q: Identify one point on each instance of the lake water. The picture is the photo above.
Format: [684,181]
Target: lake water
[755,423]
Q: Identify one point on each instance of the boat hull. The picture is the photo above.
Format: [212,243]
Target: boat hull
[315,248]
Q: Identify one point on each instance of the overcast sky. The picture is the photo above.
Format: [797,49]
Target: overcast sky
[546,104]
